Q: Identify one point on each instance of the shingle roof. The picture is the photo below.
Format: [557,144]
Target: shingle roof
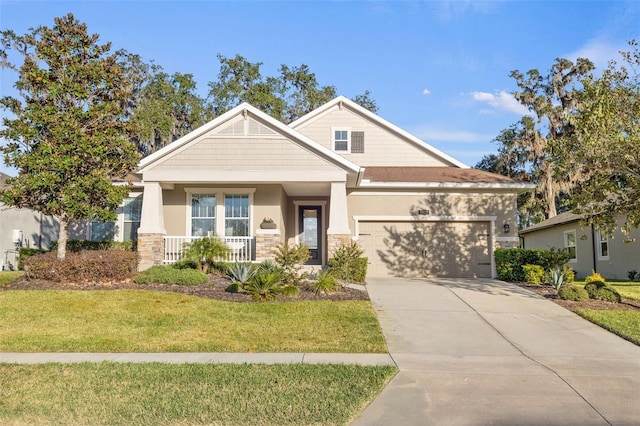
[560,219]
[433,174]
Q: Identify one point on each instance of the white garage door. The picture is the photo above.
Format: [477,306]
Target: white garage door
[427,249]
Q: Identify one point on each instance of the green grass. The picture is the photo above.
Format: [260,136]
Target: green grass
[625,324]
[8,276]
[152,394]
[148,321]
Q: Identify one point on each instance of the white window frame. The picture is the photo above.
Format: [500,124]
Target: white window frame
[122,220]
[575,244]
[333,139]
[248,218]
[220,210]
[190,208]
[602,239]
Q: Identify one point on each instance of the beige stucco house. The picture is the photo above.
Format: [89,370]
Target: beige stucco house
[339,173]
[611,256]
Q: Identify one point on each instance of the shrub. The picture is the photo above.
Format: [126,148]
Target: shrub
[325,283]
[290,260]
[347,263]
[82,266]
[165,274]
[80,245]
[554,258]
[573,292]
[632,274]
[240,272]
[184,264]
[533,274]
[204,251]
[26,253]
[265,286]
[509,262]
[234,288]
[569,273]
[598,290]
[594,277]
[269,266]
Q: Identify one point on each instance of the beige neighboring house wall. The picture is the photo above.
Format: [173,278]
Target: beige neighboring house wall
[612,258]
[23,228]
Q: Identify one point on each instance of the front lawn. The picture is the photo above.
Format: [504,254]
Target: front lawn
[154,394]
[153,321]
[8,276]
[625,324]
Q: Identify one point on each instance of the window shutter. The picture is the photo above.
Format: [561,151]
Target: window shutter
[357,142]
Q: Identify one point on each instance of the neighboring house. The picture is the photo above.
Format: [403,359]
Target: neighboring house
[338,174]
[611,256]
[23,228]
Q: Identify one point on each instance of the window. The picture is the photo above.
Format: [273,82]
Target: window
[132,210]
[570,244]
[236,213]
[102,231]
[341,140]
[203,214]
[603,246]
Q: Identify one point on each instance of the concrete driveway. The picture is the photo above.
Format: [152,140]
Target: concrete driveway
[485,352]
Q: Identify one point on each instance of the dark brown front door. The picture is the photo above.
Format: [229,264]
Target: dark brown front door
[311,232]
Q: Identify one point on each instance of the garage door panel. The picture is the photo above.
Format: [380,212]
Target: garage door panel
[419,249]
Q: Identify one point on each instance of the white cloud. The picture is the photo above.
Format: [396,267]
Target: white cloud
[426,92]
[599,52]
[500,101]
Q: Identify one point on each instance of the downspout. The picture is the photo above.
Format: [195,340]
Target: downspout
[593,248]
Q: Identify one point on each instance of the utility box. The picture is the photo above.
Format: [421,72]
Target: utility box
[17,236]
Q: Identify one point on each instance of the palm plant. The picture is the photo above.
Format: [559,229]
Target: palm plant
[204,251]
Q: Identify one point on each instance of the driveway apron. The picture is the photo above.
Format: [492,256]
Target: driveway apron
[485,352]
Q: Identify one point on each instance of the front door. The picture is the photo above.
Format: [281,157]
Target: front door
[310,226]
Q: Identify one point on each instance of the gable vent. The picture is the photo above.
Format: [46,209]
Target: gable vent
[357,142]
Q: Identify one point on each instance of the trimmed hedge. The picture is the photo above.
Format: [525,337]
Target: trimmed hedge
[509,262]
[166,274]
[598,290]
[573,292]
[79,245]
[82,266]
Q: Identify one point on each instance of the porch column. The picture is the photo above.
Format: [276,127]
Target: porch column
[338,232]
[151,232]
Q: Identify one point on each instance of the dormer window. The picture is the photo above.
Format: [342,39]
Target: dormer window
[341,140]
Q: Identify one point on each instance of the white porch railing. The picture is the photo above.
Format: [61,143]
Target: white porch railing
[241,248]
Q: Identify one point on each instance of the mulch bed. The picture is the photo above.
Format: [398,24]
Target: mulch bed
[549,293]
[214,289]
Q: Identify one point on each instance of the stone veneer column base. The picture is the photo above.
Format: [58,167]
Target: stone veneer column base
[507,244]
[267,241]
[150,250]
[336,240]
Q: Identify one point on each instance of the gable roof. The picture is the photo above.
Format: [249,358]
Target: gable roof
[561,219]
[346,102]
[243,109]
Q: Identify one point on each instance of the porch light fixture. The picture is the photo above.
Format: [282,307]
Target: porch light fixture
[506,228]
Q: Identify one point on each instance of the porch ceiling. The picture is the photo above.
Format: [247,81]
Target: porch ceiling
[302,189]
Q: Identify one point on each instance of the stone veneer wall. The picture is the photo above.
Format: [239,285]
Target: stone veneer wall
[150,250]
[507,244]
[336,240]
[266,243]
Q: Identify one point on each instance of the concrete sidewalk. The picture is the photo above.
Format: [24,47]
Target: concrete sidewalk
[200,358]
[481,352]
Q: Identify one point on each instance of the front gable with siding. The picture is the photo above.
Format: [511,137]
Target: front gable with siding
[338,174]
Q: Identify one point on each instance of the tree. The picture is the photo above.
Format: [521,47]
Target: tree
[69,136]
[286,97]
[604,152]
[551,99]
[162,107]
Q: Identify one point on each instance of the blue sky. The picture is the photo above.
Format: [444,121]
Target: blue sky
[438,69]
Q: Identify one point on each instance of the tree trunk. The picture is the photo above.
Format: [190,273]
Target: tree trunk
[550,194]
[62,239]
